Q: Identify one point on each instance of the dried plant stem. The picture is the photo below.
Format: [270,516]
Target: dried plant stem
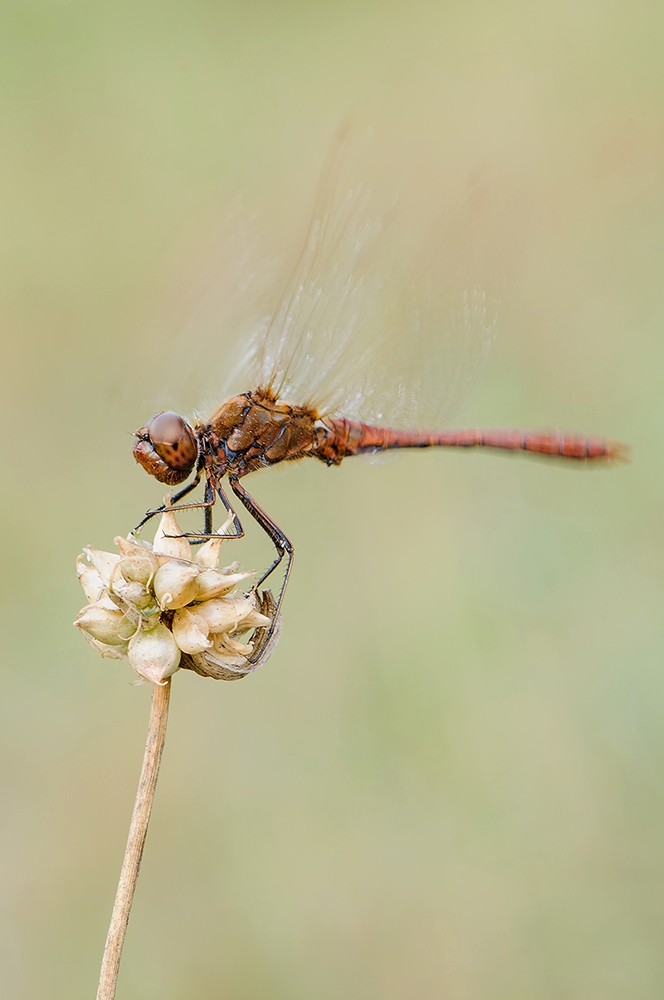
[131,864]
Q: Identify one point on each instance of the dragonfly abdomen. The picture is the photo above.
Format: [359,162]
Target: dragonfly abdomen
[349,437]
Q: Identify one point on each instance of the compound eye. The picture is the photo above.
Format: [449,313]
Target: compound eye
[173,440]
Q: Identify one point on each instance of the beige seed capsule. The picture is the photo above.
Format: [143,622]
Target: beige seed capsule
[168,540]
[103,562]
[223,645]
[134,594]
[191,631]
[138,568]
[131,547]
[111,652]
[109,627]
[154,653]
[208,554]
[254,619]
[175,584]
[90,579]
[225,613]
[212,583]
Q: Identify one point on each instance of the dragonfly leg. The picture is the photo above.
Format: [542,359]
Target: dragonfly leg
[198,537]
[282,544]
[175,499]
[237,524]
[181,494]
[206,504]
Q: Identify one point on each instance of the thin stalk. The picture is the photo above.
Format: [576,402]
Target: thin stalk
[131,864]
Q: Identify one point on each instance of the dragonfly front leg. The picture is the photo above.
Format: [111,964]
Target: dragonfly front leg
[175,499]
[207,504]
[198,537]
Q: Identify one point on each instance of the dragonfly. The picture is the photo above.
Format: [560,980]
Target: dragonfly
[351,353]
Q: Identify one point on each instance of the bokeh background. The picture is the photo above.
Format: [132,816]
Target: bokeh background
[449,781]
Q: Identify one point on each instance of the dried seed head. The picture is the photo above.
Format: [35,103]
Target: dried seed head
[163,609]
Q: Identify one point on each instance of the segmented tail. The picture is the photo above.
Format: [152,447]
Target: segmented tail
[350,437]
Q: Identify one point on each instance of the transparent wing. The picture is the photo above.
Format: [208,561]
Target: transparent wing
[387,316]
[217,310]
[369,325]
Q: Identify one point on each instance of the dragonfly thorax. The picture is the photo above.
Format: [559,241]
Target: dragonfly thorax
[166,448]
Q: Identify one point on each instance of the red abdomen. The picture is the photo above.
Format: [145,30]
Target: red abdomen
[349,437]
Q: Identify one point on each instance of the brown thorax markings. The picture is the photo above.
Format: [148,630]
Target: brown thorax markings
[254,430]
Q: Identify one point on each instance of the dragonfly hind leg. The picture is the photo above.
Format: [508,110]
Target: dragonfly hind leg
[282,544]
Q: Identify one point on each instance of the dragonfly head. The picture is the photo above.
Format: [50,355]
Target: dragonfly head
[166,448]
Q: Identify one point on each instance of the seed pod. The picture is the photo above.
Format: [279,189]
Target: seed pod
[190,631]
[226,613]
[109,627]
[212,583]
[220,614]
[254,619]
[154,653]
[168,540]
[112,652]
[112,605]
[90,579]
[131,547]
[221,657]
[223,645]
[103,562]
[208,554]
[134,594]
[175,584]
[139,568]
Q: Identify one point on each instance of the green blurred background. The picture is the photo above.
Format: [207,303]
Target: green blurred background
[449,781]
